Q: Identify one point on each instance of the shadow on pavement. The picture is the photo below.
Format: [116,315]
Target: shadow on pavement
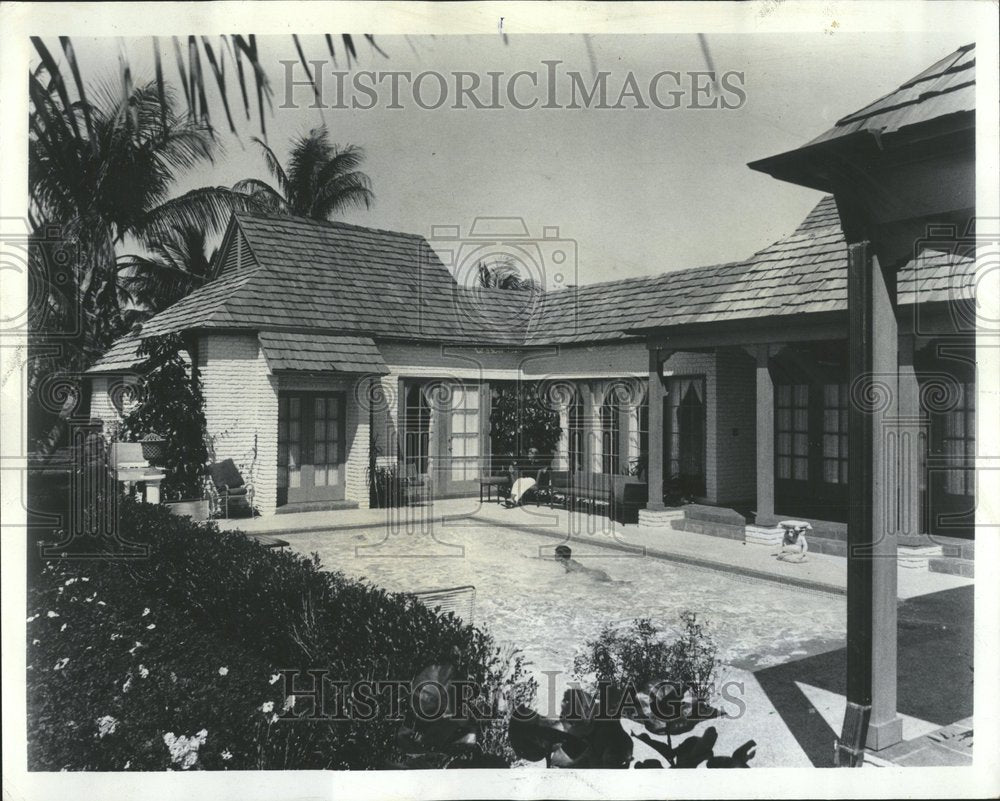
[935,641]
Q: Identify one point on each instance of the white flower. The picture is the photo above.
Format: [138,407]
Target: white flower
[226,755]
[63,627]
[106,725]
[84,578]
[101,603]
[127,685]
[134,647]
[289,703]
[127,765]
[33,617]
[274,678]
[223,671]
[70,581]
[143,671]
[145,611]
[151,626]
[61,663]
[183,749]
[115,636]
[91,598]
[50,613]
[274,718]
[35,641]
[267,706]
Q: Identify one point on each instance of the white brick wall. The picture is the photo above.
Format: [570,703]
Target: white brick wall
[241,410]
[102,408]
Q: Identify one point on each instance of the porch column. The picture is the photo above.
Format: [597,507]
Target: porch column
[592,400]
[765,439]
[654,445]
[870,719]
[912,435]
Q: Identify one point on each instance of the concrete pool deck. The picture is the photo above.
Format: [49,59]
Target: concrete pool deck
[819,573]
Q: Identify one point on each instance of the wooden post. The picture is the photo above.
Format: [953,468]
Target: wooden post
[871,717]
[654,445]
[765,439]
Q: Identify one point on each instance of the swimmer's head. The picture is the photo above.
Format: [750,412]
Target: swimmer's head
[563,552]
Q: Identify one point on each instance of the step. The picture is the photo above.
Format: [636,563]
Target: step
[660,518]
[315,506]
[953,566]
[917,558]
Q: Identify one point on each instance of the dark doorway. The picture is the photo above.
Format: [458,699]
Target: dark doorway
[684,440]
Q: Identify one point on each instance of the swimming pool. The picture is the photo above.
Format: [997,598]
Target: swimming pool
[525,597]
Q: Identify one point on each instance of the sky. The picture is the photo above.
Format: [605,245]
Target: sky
[636,191]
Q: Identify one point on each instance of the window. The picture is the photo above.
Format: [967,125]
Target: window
[417,427]
[835,433]
[611,426]
[576,452]
[959,443]
[791,428]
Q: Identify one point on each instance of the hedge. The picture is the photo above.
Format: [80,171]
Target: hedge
[172,662]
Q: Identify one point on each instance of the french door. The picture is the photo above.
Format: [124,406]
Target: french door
[310,447]
[461,455]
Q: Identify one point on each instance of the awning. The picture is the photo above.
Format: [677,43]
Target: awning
[321,353]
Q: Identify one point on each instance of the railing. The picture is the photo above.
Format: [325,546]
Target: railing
[460,601]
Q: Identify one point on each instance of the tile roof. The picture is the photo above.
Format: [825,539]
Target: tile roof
[319,353]
[945,88]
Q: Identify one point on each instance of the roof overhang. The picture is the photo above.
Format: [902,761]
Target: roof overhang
[321,353]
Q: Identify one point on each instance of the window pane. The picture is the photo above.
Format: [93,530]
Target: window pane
[319,408]
[830,444]
[294,408]
[801,420]
[472,447]
[801,394]
[784,420]
[830,471]
[801,469]
[801,445]
[784,444]
[784,395]
[784,467]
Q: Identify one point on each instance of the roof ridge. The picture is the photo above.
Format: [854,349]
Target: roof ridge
[296,220]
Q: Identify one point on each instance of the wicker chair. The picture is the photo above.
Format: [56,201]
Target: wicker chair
[229,486]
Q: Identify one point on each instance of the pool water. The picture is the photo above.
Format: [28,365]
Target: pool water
[527,598]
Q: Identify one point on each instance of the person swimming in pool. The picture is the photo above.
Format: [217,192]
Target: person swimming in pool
[564,555]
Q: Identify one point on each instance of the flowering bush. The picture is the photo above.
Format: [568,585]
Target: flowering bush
[173,662]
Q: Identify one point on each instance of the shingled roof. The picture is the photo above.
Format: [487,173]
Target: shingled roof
[803,273]
[338,277]
[945,88]
[343,280]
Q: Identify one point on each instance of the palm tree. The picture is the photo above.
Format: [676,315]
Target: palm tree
[504,274]
[321,180]
[177,265]
[99,176]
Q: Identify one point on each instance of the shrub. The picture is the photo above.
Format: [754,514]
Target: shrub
[639,653]
[170,661]
[172,407]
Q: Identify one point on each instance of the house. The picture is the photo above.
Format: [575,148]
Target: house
[326,348]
